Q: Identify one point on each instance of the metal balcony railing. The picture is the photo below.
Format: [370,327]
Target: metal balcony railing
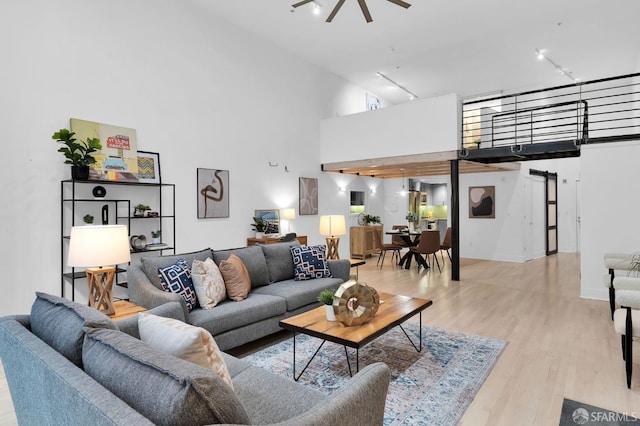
[595,111]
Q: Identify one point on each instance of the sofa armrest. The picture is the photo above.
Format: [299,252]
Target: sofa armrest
[360,401]
[142,292]
[340,268]
[626,283]
[168,310]
[628,298]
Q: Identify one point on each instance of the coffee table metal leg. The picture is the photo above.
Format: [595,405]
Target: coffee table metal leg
[346,353]
[309,362]
[419,347]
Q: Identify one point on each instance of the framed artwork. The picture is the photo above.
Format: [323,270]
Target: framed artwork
[118,158]
[271,218]
[148,167]
[213,193]
[308,188]
[482,202]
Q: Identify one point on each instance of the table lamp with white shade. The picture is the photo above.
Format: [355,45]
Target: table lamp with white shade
[331,226]
[288,215]
[99,248]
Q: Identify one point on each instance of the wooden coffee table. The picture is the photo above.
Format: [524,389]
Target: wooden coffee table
[393,311]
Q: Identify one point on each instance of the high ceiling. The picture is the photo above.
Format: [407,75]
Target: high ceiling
[436,47]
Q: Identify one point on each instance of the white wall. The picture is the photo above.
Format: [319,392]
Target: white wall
[609,208]
[425,125]
[198,91]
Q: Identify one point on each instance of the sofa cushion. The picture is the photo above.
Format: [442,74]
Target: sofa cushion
[310,262]
[173,392]
[253,258]
[193,344]
[176,278]
[230,315]
[208,283]
[299,293]
[236,278]
[150,265]
[279,260]
[59,323]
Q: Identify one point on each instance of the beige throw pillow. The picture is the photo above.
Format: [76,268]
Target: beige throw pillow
[236,278]
[208,283]
[184,341]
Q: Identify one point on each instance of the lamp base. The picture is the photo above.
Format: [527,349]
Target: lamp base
[100,281]
[332,247]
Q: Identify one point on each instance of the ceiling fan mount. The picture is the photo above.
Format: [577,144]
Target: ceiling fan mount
[362,3]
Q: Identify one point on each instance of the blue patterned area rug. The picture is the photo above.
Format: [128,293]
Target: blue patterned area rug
[432,387]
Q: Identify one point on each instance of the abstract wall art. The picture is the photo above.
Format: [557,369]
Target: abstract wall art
[213,193]
[308,196]
[482,202]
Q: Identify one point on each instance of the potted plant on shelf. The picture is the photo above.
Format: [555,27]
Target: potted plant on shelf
[155,236]
[77,154]
[88,219]
[138,211]
[326,298]
[259,225]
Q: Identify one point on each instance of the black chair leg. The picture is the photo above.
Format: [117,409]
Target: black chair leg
[628,347]
[437,263]
[612,300]
[624,351]
[449,254]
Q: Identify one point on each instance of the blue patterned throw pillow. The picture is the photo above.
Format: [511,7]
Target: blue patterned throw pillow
[309,262]
[176,278]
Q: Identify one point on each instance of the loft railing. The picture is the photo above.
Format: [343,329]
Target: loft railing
[587,112]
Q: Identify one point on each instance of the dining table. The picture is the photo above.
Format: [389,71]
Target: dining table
[411,238]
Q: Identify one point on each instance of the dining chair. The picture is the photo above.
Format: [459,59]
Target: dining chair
[446,244]
[627,323]
[429,245]
[384,248]
[396,239]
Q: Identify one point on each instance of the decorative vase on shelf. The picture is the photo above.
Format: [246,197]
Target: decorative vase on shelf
[259,234]
[331,316]
[80,172]
[155,240]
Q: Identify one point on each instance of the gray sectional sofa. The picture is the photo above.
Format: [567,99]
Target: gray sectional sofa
[68,364]
[274,295]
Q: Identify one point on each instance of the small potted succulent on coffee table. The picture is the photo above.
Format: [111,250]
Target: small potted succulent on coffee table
[326,297]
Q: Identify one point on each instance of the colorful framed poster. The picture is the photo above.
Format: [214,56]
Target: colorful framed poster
[149,167]
[118,158]
[482,202]
[213,193]
[308,196]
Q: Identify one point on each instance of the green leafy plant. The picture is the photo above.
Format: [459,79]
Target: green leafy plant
[156,234]
[76,153]
[87,218]
[371,219]
[326,297]
[259,225]
[411,217]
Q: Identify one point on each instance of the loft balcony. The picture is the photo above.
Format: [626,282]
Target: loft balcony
[551,123]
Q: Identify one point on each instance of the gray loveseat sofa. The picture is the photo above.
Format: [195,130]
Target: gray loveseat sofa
[68,364]
[274,295]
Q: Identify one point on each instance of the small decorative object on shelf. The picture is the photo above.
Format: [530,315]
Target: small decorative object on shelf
[88,219]
[77,154]
[155,236]
[326,298]
[138,242]
[99,191]
[152,214]
[140,209]
[355,303]
[371,220]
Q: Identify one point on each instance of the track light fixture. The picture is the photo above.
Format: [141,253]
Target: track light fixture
[412,95]
[560,69]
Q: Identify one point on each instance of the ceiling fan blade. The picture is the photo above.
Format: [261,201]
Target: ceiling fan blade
[300,3]
[400,3]
[335,10]
[365,10]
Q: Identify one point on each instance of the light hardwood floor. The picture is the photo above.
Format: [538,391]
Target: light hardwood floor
[558,344]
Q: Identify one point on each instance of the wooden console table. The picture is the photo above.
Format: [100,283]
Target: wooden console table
[266,240]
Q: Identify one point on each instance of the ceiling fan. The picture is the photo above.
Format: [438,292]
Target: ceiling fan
[362,3]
